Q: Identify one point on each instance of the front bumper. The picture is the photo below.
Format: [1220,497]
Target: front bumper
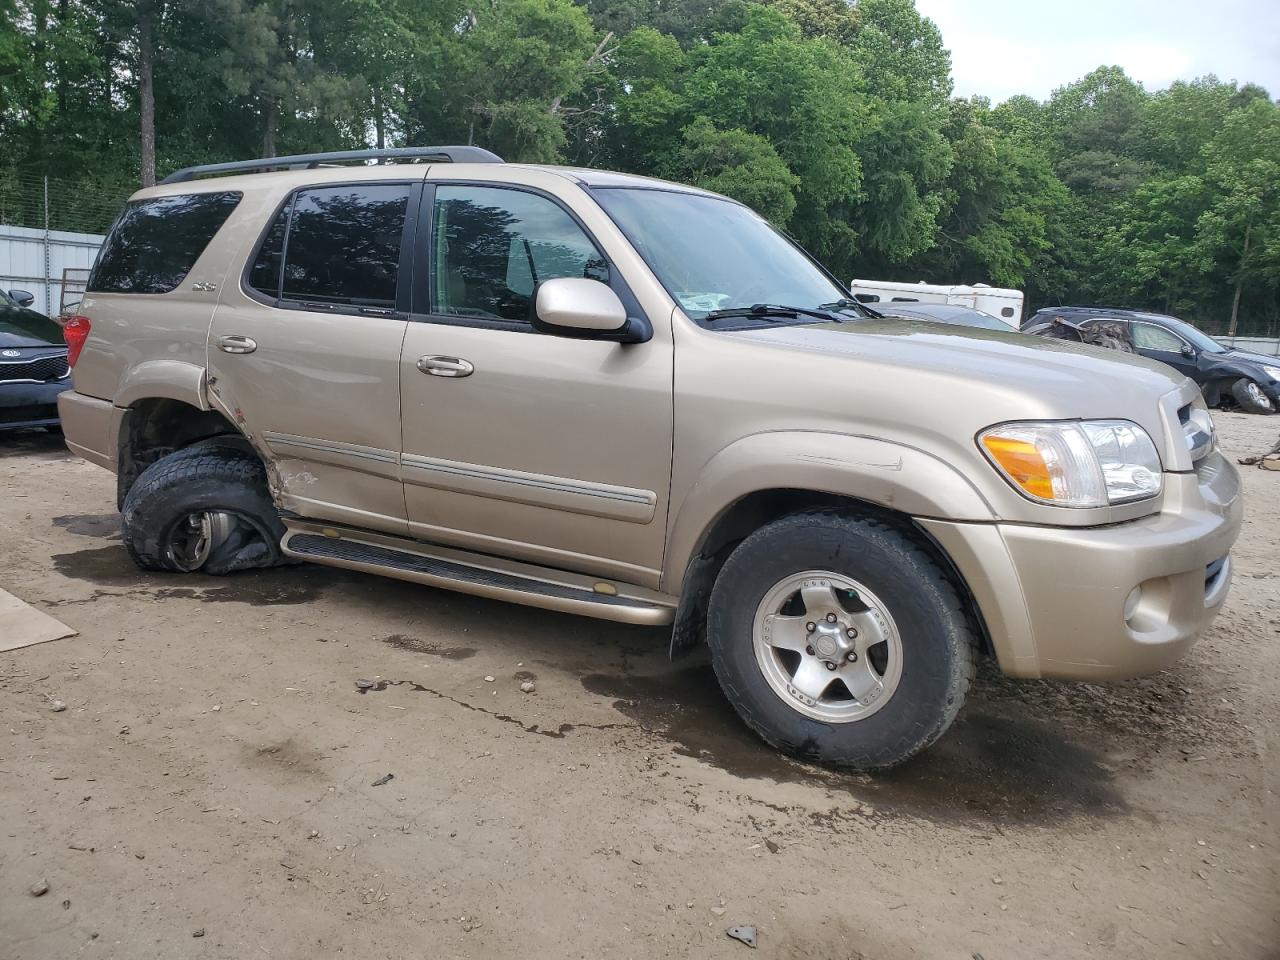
[25,404]
[1054,598]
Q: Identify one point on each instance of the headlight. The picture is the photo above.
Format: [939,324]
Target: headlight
[1091,463]
[1272,372]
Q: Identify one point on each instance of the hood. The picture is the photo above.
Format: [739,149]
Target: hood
[1039,366]
[1244,356]
[936,387]
[20,327]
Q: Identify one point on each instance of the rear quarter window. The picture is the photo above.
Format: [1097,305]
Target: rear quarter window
[155,242]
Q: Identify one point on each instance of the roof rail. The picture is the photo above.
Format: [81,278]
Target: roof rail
[309,161]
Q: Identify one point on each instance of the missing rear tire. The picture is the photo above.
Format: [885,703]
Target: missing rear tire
[204,508]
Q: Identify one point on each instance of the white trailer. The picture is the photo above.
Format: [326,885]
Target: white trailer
[998,302]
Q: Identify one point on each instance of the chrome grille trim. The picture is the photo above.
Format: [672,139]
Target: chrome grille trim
[35,369]
[1198,431]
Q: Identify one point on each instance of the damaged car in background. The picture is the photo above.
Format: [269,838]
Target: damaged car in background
[1226,376]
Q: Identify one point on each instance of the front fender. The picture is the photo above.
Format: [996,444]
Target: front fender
[890,475]
[170,379]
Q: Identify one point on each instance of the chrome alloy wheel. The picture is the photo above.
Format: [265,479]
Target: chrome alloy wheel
[194,537]
[827,646]
[1257,395]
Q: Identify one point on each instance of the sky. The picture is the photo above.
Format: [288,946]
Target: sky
[1002,47]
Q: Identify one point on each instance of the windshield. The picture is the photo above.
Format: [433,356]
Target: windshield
[1198,339]
[714,254]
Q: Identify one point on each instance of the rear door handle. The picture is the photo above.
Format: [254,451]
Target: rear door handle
[445,366]
[237,344]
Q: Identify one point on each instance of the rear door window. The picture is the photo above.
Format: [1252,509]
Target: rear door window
[1147,336]
[342,247]
[155,243]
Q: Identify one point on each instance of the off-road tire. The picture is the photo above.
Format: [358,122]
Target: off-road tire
[937,633]
[1249,404]
[209,475]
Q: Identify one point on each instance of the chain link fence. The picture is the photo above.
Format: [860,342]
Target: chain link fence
[50,232]
[46,203]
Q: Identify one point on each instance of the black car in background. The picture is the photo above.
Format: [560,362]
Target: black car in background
[1227,377]
[33,364]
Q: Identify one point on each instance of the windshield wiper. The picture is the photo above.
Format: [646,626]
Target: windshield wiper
[844,303]
[769,311]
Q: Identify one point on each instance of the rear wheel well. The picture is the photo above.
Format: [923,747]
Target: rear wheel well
[753,511]
[155,428]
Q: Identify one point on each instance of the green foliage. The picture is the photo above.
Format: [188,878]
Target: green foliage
[836,20]
[802,95]
[833,118]
[738,164]
[999,202]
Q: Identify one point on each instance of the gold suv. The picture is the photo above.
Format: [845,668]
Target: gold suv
[635,400]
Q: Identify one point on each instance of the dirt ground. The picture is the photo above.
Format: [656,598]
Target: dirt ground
[210,790]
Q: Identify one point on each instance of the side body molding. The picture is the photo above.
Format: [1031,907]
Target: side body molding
[891,475]
[170,379]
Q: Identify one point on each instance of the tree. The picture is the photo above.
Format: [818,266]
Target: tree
[1001,195]
[837,20]
[904,156]
[1242,223]
[504,69]
[804,96]
[738,164]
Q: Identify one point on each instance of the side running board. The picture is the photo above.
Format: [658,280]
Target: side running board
[476,574]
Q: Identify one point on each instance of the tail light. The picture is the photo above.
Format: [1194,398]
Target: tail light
[75,331]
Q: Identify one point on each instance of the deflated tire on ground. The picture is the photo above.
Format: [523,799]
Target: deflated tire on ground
[204,508]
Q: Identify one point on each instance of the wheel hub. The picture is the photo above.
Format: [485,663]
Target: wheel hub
[827,646]
[196,535]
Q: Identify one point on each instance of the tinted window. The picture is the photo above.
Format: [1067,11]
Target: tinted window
[344,244]
[492,247]
[264,275]
[156,242]
[1199,339]
[1148,337]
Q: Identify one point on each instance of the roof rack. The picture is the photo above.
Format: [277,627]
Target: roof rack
[309,161]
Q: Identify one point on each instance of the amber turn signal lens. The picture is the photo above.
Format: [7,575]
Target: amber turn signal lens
[1022,463]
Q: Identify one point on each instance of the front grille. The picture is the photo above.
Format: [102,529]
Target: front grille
[39,369]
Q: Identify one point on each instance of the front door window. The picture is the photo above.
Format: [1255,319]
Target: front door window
[491,247]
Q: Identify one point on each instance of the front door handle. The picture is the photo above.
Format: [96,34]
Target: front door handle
[237,344]
[445,366]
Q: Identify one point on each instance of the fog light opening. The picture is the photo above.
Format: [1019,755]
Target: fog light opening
[1131,603]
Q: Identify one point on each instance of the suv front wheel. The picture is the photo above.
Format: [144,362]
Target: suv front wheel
[840,639]
[203,508]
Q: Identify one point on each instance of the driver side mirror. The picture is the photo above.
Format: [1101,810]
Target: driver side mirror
[1188,351]
[587,310]
[22,298]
